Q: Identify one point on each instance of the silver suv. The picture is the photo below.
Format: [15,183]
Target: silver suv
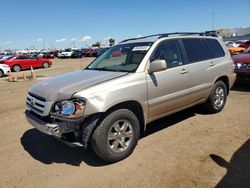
[109,103]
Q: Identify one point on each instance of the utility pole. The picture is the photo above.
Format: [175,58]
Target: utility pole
[43,44]
[213,20]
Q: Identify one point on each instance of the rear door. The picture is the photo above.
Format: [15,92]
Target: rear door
[168,89]
[203,66]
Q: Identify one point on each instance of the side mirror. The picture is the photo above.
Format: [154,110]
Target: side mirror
[157,65]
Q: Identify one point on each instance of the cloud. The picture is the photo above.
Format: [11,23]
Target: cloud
[73,39]
[107,38]
[61,40]
[7,42]
[85,38]
[139,35]
[38,40]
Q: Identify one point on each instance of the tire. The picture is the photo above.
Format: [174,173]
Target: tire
[45,65]
[17,68]
[116,136]
[217,98]
[1,73]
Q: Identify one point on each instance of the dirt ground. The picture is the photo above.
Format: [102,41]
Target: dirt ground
[188,149]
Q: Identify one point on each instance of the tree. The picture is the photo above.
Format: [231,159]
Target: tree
[111,42]
[97,44]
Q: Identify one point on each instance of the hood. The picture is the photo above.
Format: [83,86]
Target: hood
[64,86]
[242,58]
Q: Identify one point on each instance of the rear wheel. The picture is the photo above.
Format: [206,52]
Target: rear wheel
[116,136]
[217,98]
[16,68]
[45,65]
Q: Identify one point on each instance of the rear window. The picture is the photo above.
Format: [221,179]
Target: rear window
[215,48]
[196,50]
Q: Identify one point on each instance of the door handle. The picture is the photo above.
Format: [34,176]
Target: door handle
[184,71]
[212,64]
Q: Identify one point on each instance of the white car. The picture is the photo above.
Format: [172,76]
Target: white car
[4,70]
[230,44]
[65,53]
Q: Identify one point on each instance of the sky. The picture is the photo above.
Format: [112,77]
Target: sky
[67,23]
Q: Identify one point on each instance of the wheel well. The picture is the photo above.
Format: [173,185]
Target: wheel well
[18,65]
[225,80]
[133,106]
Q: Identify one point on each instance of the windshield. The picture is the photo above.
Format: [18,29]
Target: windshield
[121,58]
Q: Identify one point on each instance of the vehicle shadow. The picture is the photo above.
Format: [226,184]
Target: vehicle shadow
[238,169]
[241,87]
[168,121]
[49,150]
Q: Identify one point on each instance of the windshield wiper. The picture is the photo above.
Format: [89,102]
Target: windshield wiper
[105,69]
[102,68]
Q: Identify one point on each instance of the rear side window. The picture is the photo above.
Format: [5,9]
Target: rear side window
[215,48]
[196,50]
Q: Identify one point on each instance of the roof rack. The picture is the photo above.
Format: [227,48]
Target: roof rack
[141,37]
[211,33]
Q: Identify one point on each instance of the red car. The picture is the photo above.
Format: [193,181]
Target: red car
[242,67]
[25,62]
[245,44]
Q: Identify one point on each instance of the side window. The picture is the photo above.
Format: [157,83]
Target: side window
[21,57]
[215,48]
[170,51]
[196,50]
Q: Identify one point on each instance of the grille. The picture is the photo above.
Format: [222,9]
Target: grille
[35,103]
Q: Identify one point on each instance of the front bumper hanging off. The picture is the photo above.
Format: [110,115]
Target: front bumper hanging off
[59,129]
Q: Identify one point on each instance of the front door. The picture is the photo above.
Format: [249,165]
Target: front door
[168,89]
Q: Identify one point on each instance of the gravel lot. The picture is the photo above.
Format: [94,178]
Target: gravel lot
[188,149]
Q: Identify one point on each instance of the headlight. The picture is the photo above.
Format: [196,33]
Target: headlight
[69,109]
[238,65]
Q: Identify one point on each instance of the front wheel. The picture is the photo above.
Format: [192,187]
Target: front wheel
[217,98]
[116,136]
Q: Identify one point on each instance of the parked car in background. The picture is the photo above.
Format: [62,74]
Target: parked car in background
[6,57]
[21,62]
[230,44]
[90,52]
[245,44]
[84,51]
[67,53]
[4,69]
[100,51]
[48,55]
[242,67]
[236,50]
[76,54]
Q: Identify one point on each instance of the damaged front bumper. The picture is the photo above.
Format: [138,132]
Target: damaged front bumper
[74,134]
